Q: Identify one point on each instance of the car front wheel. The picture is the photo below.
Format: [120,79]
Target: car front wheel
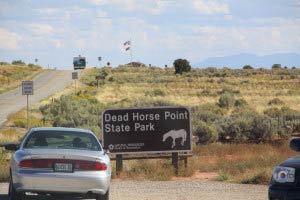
[103,197]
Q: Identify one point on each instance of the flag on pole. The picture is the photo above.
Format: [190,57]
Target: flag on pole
[127,45]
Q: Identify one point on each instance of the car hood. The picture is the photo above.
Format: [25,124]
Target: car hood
[63,154]
[292,162]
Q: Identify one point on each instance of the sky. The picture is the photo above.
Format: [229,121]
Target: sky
[54,31]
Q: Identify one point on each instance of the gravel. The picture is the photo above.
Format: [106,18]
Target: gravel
[176,190]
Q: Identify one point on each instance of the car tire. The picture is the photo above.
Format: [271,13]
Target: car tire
[12,193]
[103,196]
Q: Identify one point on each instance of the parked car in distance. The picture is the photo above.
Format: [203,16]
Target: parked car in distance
[59,161]
[285,182]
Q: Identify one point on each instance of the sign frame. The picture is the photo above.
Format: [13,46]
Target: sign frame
[150,152]
[27,91]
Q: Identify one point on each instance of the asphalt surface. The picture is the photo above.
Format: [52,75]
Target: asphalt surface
[175,190]
[45,84]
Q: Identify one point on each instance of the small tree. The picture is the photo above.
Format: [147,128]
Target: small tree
[247,67]
[181,65]
[276,66]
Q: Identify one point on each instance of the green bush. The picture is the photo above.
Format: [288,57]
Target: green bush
[226,101]
[80,111]
[18,62]
[276,101]
[155,92]
[240,103]
[181,65]
[247,67]
[206,133]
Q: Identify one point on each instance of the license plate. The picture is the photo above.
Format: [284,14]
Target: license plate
[63,167]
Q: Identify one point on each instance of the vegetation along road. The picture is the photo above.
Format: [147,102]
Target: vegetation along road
[182,190]
[45,84]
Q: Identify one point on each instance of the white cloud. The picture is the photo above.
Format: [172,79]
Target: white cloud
[268,39]
[58,43]
[48,11]
[9,40]
[210,7]
[148,6]
[41,29]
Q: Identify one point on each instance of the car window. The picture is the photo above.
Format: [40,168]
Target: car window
[62,140]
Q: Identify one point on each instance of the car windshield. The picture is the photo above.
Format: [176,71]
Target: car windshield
[62,140]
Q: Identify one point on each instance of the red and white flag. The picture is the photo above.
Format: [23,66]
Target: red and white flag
[127,45]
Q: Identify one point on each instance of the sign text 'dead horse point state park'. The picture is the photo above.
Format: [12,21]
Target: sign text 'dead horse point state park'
[161,129]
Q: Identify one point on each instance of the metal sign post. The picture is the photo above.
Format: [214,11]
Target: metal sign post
[99,59]
[75,77]
[27,89]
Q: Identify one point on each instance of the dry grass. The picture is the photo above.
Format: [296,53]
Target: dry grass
[11,76]
[239,163]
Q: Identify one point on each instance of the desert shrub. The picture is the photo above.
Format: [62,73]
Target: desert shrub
[155,92]
[245,124]
[80,111]
[4,63]
[240,102]
[18,62]
[229,91]
[275,101]
[207,113]
[111,79]
[226,101]
[151,102]
[273,112]
[206,133]
[206,92]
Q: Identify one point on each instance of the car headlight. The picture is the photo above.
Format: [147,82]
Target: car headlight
[284,174]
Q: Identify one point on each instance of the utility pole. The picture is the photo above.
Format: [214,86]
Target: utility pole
[131,52]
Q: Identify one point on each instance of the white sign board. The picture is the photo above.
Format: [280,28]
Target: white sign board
[74,75]
[27,87]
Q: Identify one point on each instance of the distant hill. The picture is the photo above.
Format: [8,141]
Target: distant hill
[238,61]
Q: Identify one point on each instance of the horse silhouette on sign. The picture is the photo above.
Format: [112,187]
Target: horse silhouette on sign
[174,134]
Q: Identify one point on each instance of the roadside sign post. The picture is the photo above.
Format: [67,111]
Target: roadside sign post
[27,89]
[147,130]
[99,59]
[75,77]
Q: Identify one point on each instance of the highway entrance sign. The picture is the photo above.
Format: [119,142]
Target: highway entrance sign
[147,130]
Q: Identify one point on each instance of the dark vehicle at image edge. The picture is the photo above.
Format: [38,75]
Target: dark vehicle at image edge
[59,161]
[285,182]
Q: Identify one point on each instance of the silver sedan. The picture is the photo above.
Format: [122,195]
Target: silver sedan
[59,161]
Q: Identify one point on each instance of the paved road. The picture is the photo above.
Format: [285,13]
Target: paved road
[45,84]
[175,190]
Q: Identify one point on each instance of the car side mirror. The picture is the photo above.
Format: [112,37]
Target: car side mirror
[295,144]
[12,147]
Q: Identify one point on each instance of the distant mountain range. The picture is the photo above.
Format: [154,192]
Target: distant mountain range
[238,61]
